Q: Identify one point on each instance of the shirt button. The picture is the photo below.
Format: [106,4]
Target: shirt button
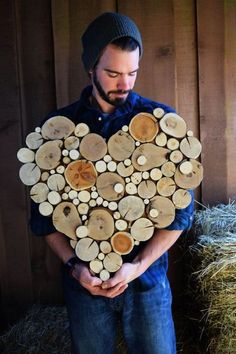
[99,118]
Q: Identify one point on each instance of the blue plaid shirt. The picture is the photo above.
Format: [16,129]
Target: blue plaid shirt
[107,125]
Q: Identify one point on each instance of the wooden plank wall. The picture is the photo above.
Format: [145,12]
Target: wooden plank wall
[189,62]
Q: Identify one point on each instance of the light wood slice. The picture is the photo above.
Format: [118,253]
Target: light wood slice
[155,174]
[81,130]
[176,156]
[34,140]
[121,225]
[124,171]
[122,242]
[101,256]
[181,198]
[81,174]
[186,167]
[144,127]
[166,186]
[66,219]
[25,155]
[112,262]
[166,211]
[131,208]
[93,147]
[44,176]
[54,197]
[105,247]
[39,192]
[158,112]
[136,177]
[71,143]
[147,189]
[106,183]
[111,166]
[57,127]
[87,249]
[74,154]
[168,169]
[121,145]
[142,229]
[173,144]
[131,188]
[96,266]
[45,208]
[84,196]
[81,231]
[100,225]
[193,179]
[29,173]
[104,275]
[60,169]
[56,182]
[101,166]
[83,208]
[173,125]
[48,155]
[155,156]
[161,139]
[191,147]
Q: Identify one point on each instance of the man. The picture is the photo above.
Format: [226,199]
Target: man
[139,293]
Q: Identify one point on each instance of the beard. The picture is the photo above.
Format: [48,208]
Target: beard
[106,96]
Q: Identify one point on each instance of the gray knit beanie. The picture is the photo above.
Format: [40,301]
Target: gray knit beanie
[104,30]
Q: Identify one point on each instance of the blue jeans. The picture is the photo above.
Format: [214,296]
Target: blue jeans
[145,316]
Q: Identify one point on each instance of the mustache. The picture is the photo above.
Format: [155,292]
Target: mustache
[120,91]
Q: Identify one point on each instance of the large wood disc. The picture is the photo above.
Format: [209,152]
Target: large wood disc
[155,156]
[39,192]
[166,186]
[122,242]
[48,155]
[106,183]
[93,147]
[81,174]
[144,127]
[181,198]
[29,173]
[87,249]
[147,189]
[166,211]
[121,145]
[191,180]
[173,125]
[142,229]
[66,219]
[100,224]
[191,147]
[131,208]
[112,262]
[57,127]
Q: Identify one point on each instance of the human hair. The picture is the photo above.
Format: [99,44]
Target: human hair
[126,43]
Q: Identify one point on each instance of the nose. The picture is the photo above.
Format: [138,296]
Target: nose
[123,83]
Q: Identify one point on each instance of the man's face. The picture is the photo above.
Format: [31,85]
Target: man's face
[114,77]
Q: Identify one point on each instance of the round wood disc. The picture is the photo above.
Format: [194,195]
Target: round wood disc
[131,207]
[100,225]
[147,189]
[191,180]
[122,242]
[87,249]
[66,219]
[49,154]
[144,127]
[124,171]
[181,198]
[106,183]
[81,130]
[142,229]
[56,182]
[81,174]
[93,147]
[96,265]
[57,127]
[168,169]
[191,147]
[176,156]
[25,155]
[166,211]
[71,143]
[166,186]
[34,140]
[39,192]
[173,125]
[155,156]
[120,146]
[29,173]
[112,262]
[105,247]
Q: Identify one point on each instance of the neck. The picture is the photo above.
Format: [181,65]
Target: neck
[98,102]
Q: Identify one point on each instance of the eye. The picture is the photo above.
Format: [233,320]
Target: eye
[133,74]
[113,75]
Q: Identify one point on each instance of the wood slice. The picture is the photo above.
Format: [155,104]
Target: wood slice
[44,176]
[105,247]
[57,127]
[166,186]
[173,144]
[161,139]
[54,198]
[131,208]
[176,156]
[100,224]
[166,211]
[111,166]
[121,225]
[168,169]
[96,266]
[193,179]
[112,262]
[131,188]
[158,112]
[155,174]
[106,183]
[81,130]
[181,198]
[56,182]
[144,127]
[84,196]
[186,167]
[81,231]
[45,208]
[147,189]
[83,208]
[34,140]
[49,154]
[121,145]
[155,156]
[142,229]
[87,249]
[173,125]
[93,147]
[101,166]
[39,192]
[136,177]
[74,154]
[191,147]
[81,174]
[66,219]
[71,143]
[124,171]
[60,169]
[25,155]
[29,173]
[122,242]
[104,275]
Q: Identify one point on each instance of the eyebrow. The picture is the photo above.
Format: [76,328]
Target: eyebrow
[117,72]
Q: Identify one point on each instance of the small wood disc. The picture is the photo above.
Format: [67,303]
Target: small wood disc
[142,229]
[122,242]
[56,182]
[173,125]
[105,247]
[166,211]
[57,127]
[74,154]
[81,130]
[71,143]
[83,208]
[29,173]
[84,196]
[147,189]
[44,176]
[186,167]
[45,208]
[82,231]
[80,174]
[193,179]
[181,198]
[166,186]
[155,174]
[161,139]
[131,188]
[112,262]
[172,144]
[120,146]
[101,166]
[87,249]
[144,127]
[96,266]
[131,207]
[100,224]
[66,219]
[49,154]
[34,140]
[168,169]
[93,147]
[121,225]
[158,112]
[106,183]
[191,147]
[54,197]
[136,177]
[111,166]
[39,192]
[124,171]
[104,275]
[176,156]
[25,155]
